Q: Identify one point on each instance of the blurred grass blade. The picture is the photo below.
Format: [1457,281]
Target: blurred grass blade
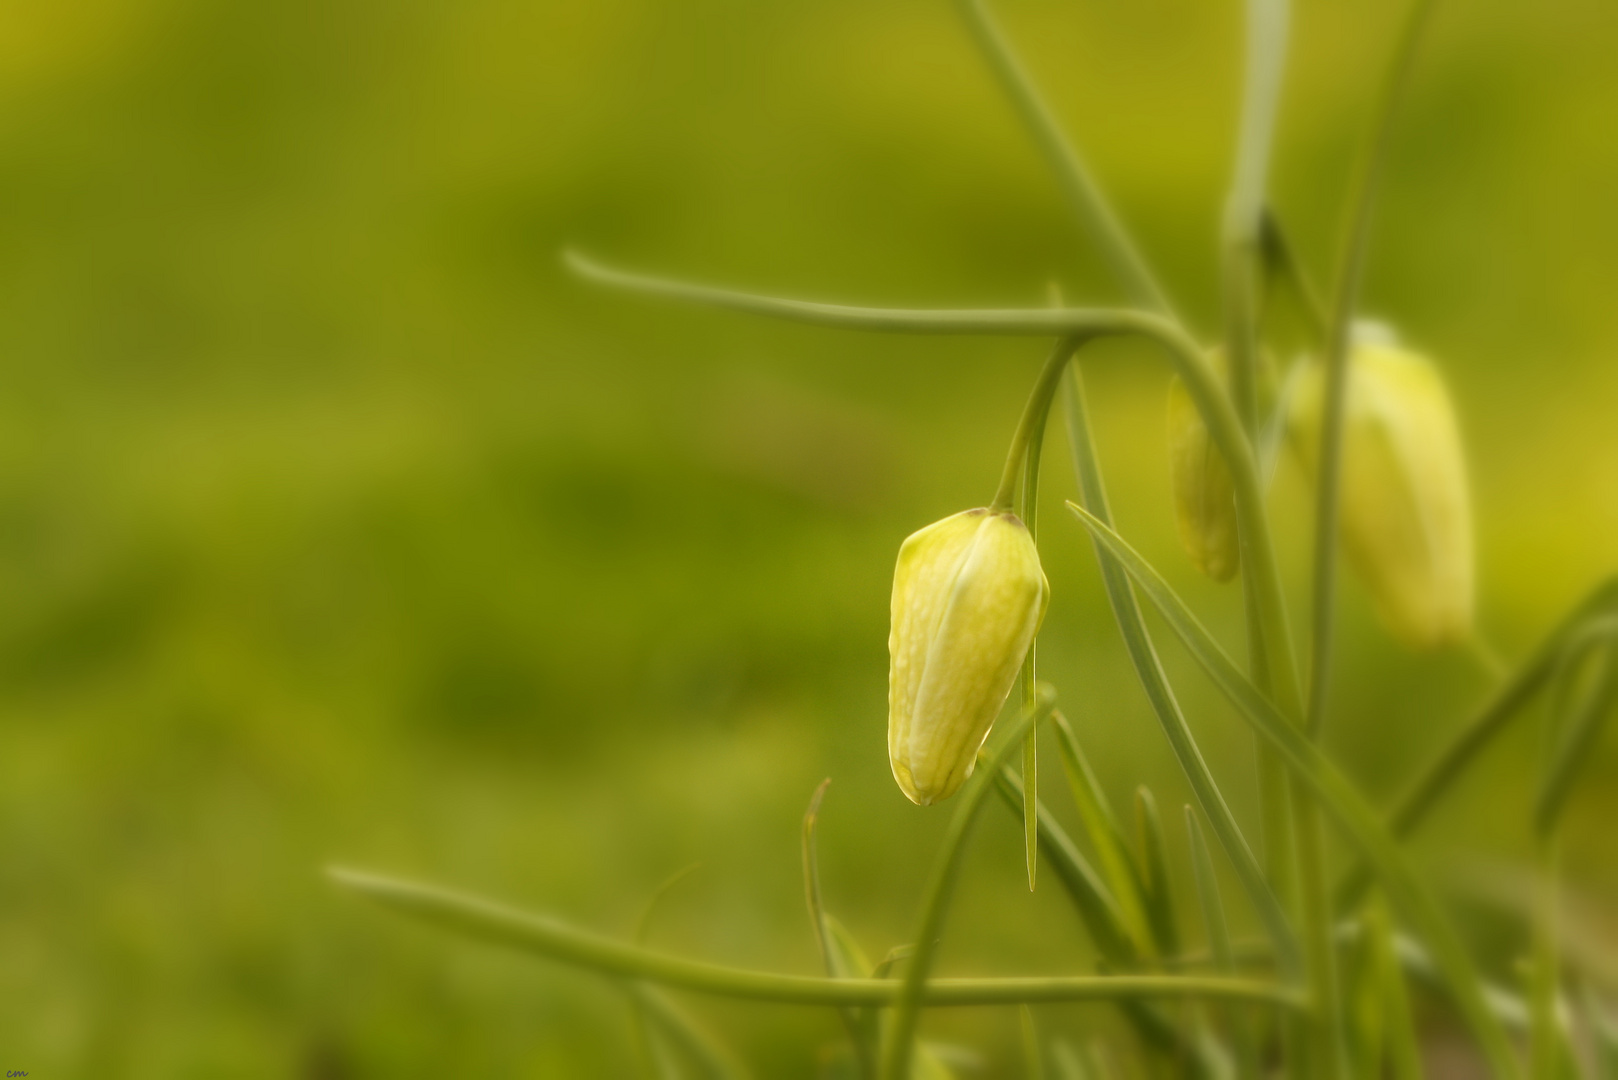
[1398,1025]
[1336,795]
[1132,626]
[1213,918]
[1545,1035]
[1070,1063]
[1154,864]
[1033,1058]
[700,1048]
[1112,851]
[1603,1034]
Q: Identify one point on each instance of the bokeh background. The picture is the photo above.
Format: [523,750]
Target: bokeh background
[338,524]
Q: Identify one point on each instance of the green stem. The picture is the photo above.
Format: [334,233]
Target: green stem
[940,890]
[1031,430]
[501,925]
[1083,193]
[1350,275]
[1544,1035]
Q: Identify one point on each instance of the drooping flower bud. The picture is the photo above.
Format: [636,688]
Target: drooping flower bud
[968,595]
[1204,501]
[1406,514]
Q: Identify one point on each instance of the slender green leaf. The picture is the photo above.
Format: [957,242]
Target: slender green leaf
[859,1023]
[1336,795]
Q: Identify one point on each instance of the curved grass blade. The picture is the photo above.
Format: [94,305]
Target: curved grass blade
[1335,794]
[1132,625]
[856,1022]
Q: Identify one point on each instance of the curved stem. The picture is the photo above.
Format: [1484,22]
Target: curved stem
[941,888]
[507,926]
[1350,274]
[1082,192]
[1032,424]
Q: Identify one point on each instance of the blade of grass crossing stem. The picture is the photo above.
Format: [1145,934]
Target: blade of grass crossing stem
[1398,1021]
[1131,624]
[1213,920]
[854,1023]
[652,1022]
[1029,503]
[897,1055]
[1112,851]
[1335,794]
[1154,863]
[1033,1058]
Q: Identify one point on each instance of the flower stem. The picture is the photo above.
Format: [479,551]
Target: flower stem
[1031,430]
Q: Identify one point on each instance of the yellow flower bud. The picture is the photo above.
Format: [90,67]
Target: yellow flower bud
[1204,501]
[1406,515]
[968,595]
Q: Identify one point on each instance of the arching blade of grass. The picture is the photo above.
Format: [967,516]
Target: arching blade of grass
[834,954]
[540,934]
[1137,642]
[1335,794]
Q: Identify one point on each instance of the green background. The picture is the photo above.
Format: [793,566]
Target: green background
[338,524]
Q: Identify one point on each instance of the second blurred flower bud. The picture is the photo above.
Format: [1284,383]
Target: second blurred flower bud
[1204,501]
[1406,513]
[968,596]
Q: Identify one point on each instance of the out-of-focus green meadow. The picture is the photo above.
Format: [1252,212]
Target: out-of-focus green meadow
[338,524]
